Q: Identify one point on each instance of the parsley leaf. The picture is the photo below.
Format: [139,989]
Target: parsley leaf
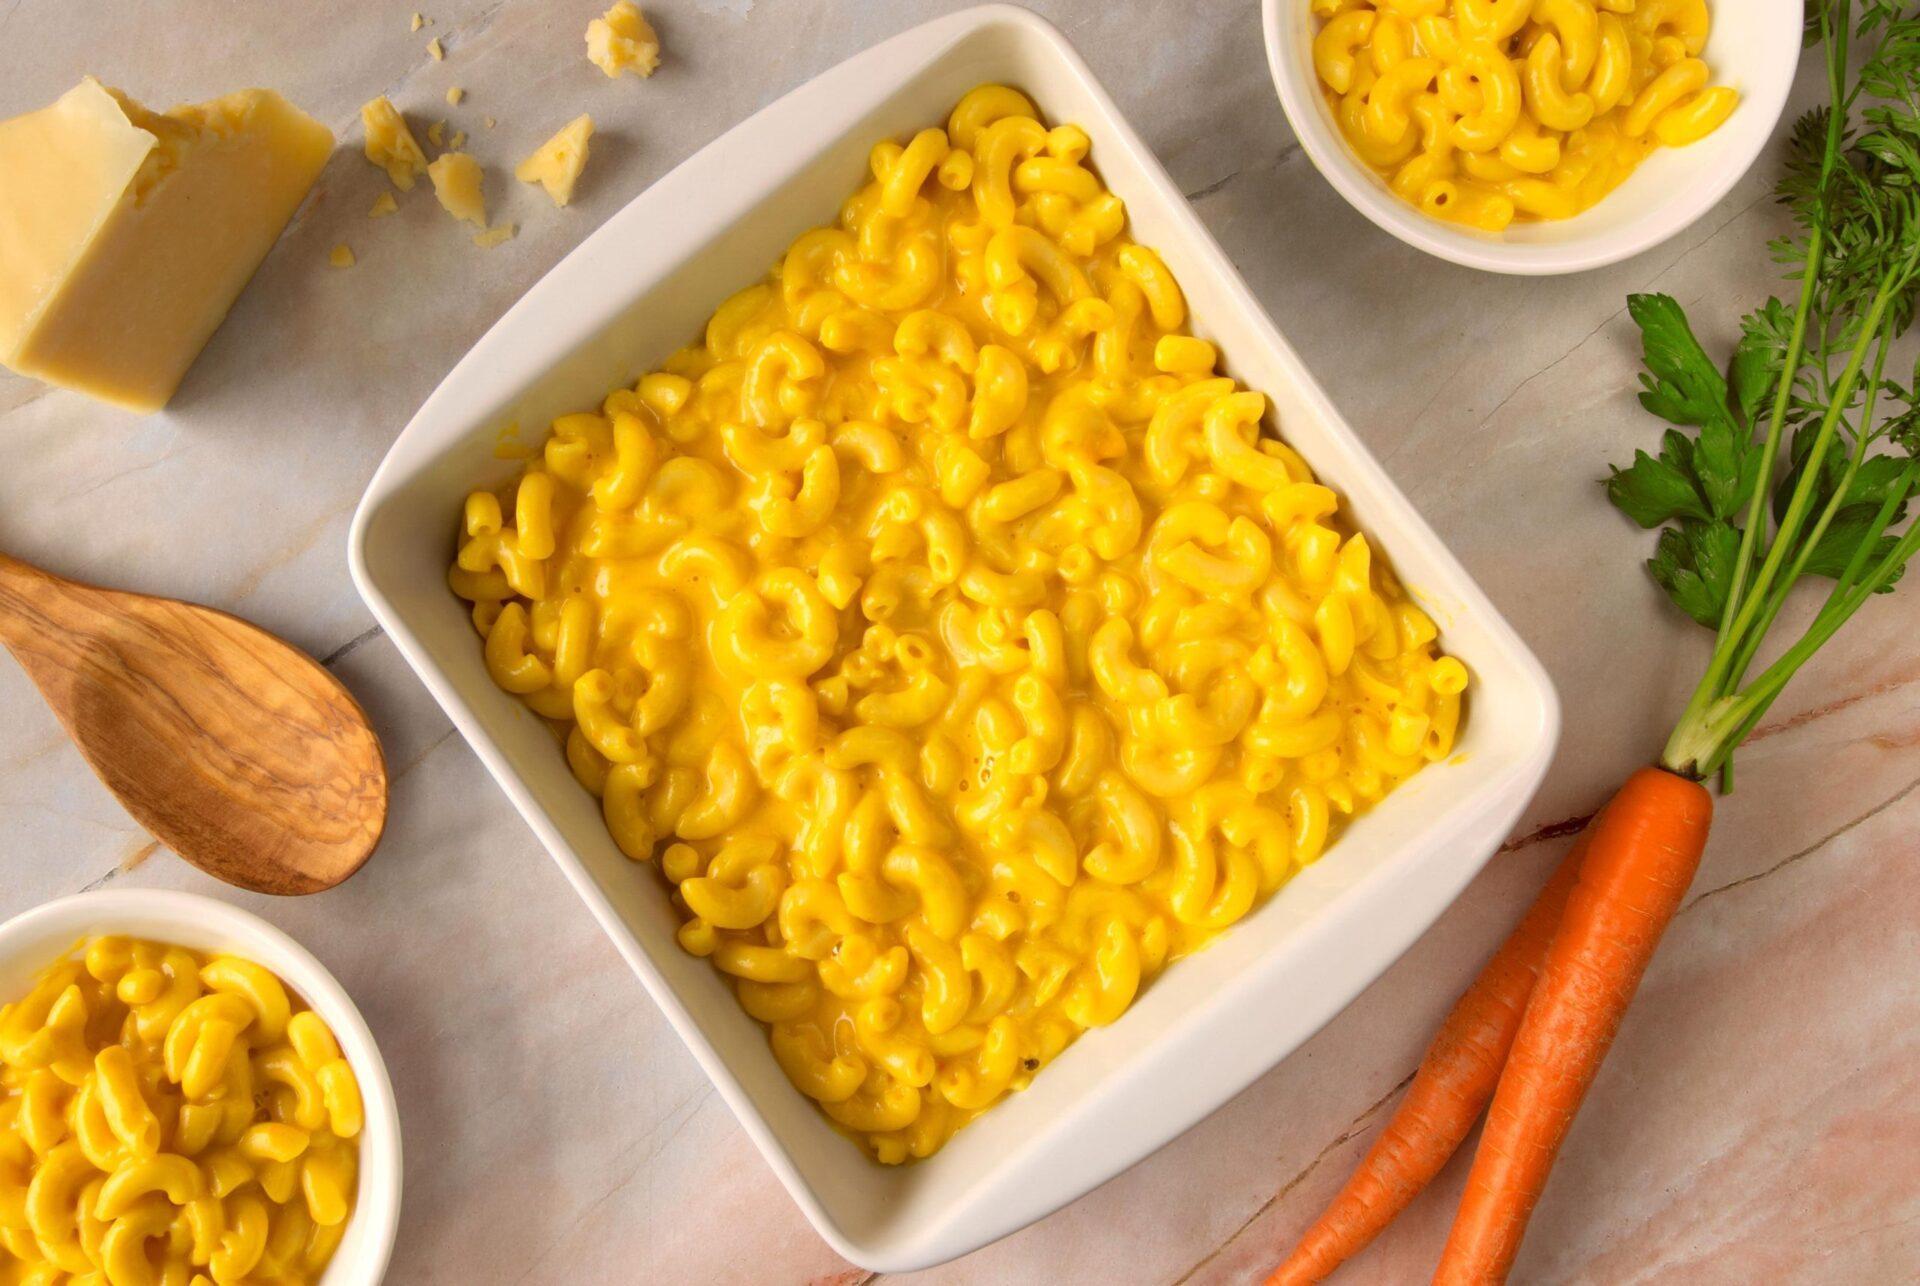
[1836,548]
[1694,563]
[1758,357]
[1655,490]
[1876,477]
[1698,481]
[1682,386]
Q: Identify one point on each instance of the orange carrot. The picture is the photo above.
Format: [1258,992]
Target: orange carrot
[1451,1086]
[1644,851]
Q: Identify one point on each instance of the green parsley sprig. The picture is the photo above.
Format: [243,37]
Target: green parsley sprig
[1804,454]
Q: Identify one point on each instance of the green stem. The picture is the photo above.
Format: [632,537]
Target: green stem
[1835,36]
[1896,496]
[1709,687]
[1703,746]
[1786,539]
[1777,599]
[1713,683]
[1750,534]
[1746,708]
[1776,427]
[1726,706]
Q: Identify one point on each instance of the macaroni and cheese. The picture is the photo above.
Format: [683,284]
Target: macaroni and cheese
[946,628]
[170,1117]
[1486,111]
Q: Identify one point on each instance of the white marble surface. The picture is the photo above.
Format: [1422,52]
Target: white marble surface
[1757,1120]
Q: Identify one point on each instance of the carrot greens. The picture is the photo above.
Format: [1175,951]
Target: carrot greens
[1804,455]
[1799,459]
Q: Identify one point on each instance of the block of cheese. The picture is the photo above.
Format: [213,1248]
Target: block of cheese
[126,235]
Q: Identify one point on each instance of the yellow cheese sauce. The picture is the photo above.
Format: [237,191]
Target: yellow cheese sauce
[947,630]
[1482,112]
[170,1116]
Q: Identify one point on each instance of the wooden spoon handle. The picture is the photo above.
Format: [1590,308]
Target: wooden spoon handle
[25,592]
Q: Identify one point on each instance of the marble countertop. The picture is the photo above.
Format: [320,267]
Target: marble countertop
[1756,1121]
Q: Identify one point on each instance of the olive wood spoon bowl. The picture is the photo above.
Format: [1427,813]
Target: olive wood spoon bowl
[230,746]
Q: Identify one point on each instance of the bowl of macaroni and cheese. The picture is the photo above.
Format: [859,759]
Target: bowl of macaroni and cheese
[1533,136]
[991,700]
[185,1093]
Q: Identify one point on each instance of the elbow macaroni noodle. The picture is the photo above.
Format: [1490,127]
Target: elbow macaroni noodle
[1481,112]
[950,633]
[170,1119]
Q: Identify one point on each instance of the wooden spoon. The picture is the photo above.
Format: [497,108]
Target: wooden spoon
[231,747]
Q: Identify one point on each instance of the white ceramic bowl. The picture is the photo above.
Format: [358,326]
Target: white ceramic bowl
[1754,47]
[33,939]
[643,285]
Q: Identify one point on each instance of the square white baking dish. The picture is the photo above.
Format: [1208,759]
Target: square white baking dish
[643,285]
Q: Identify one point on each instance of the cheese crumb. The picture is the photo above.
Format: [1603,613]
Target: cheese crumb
[418,22]
[434,48]
[557,165]
[457,185]
[491,122]
[341,256]
[390,144]
[435,132]
[494,236]
[454,96]
[459,139]
[621,40]
[383,205]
